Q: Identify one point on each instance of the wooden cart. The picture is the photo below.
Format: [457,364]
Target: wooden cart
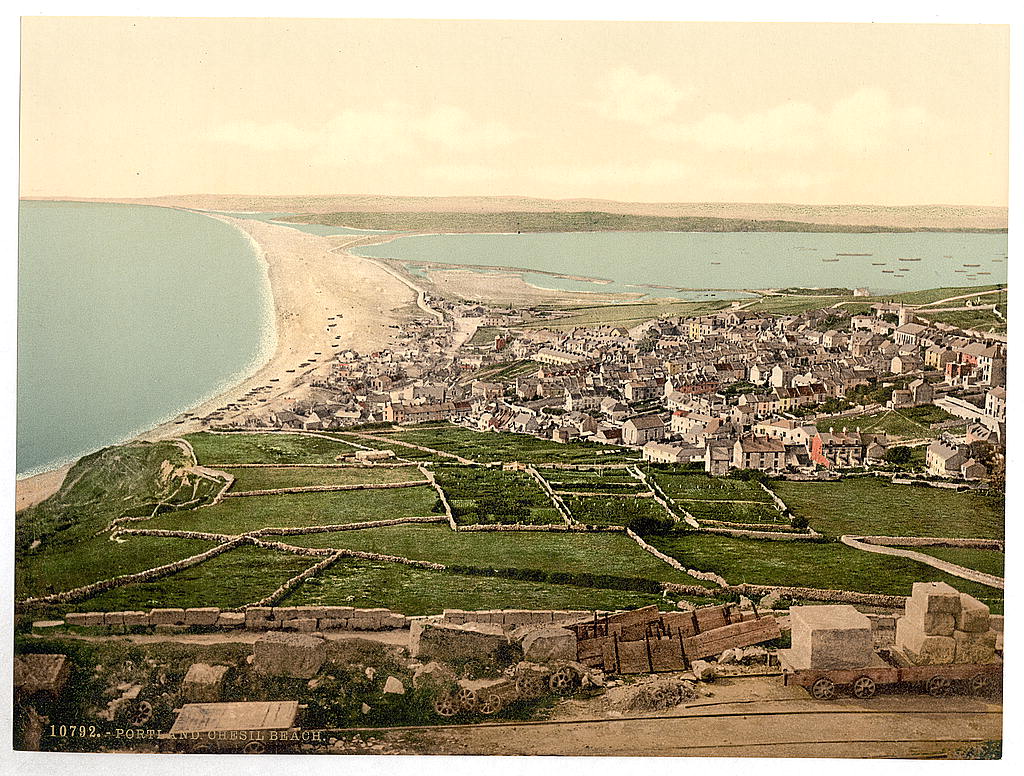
[890,667]
[250,727]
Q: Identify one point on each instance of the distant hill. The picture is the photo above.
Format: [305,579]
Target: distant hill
[959,217]
[590,221]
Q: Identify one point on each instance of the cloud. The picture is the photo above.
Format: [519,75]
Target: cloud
[865,121]
[635,97]
[654,172]
[394,131]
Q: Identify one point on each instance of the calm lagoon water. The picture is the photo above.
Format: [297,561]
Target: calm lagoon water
[127,315]
[720,260]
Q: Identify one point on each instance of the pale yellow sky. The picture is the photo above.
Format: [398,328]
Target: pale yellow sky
[811,113]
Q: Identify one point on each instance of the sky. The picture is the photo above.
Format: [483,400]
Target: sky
[651,112]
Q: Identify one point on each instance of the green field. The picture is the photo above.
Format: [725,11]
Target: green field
[704,487]
[53,570]
[611,510]
[297,510]
[873,506]
[910,423]
[627,314]
[830,566]
[986,561]
[569,552]
[235,578]
[234,448]
[486,496]
[268,479]
[414,591]
[733,512]
[983,320]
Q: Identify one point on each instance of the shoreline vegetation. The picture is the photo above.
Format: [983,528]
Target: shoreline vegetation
[515,222]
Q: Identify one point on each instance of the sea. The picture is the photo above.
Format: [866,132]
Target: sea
[128,315]
[701,265]
[131,314]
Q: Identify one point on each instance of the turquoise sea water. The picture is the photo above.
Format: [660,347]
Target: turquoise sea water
[720,260]
[127,315]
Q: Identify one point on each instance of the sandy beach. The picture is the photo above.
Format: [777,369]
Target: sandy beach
[314,282]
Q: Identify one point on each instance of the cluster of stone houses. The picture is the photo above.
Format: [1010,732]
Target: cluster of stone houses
[729,390]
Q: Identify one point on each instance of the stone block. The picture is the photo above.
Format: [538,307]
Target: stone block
[167,617]
[432,674]
[548,643]
[113,618]
[231,620]
[930,623]
[40,673]
[206,615]
[261,618]
[394,621]
[295,655]
[84,619]
[327,623]
[285,613]
[337,612]
[921,648]
[203,683]
[831,637]
[134,619]
[300,624]
[973,617]
[394,686]
[447,641]
[514,617]
[974,647]
[936,597]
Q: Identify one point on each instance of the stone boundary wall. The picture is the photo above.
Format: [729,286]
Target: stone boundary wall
[556,499]
[665,500]
[87,591]
[421,448]
[576,527]
[779,503]
[172,533]
[932,541]
[354,465]
[326,488]
[429,475]
[707,576]
[258,618]
[513,617]
[741,533]
[297,580]
[942,484]
[582,466]
[337,527]
[817,594]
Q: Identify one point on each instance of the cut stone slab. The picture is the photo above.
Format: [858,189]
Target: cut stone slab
[974,616]
[113,618]
[40,673]
[831,637]
[936,597]
[548,644]
[446,641]
[206,615]
[930,623]
[136,618]
[231,620]
[203,683]
[84,619]
[167,617]
[974,647]
[295,655]
[394,686]
[921,648]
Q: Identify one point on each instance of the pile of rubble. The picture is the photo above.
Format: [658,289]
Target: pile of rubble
[942,625]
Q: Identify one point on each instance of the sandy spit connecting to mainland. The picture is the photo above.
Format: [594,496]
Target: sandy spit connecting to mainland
[309,284]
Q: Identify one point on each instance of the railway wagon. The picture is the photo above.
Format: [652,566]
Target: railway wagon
[250,727]
[889,668]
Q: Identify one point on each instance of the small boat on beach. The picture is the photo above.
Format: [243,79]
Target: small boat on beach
[830,260]
[878,263]
[888,271]
[911,258]
[855,254]
[972,265]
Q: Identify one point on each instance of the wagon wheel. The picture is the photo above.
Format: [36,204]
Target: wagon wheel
[939,686]
[529,684]
[865,687]
[490,704]
[142,713]
[254,747]
[446,706]
[466,698]
[824,689]
[563,680]
[980,684]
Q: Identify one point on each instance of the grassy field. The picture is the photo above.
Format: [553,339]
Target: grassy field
[830,566]
[227,449]
[985,561]
[94,559]
[487,447]
[733,512]
[233,579]
[611,510]
[265,479]
[707,488]
[628,314]
[984,320]
[238,515]
[910,423]
[574,553]
[872,506]
[415,591]
[493,496]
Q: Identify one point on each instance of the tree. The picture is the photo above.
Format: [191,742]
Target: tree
[898,455]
